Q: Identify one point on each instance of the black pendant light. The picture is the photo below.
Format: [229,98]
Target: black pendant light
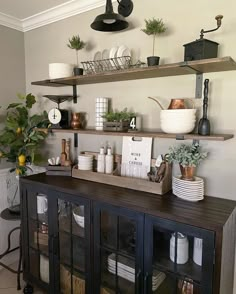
[110,21]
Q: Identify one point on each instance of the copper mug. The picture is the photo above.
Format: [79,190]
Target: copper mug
[177,104]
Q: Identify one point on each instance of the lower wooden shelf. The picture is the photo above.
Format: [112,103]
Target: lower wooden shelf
[154,134]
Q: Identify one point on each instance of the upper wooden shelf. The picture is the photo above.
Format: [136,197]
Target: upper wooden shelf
[213,137]
[173,69]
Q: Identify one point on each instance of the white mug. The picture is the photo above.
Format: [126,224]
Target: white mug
[42,203]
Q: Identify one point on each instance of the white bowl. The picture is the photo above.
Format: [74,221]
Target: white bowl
[78,213]
[179,111]
[174,128]
[60,70]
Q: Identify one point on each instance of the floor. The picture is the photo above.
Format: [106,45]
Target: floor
[8,283]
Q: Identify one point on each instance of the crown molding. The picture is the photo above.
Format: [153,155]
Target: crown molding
[60,12]
[11,22]
[65,10]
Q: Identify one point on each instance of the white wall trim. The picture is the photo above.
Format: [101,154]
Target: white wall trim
[11,22]
[65,10]
[60,12]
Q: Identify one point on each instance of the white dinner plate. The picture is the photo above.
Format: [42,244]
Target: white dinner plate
[113,52]
[121,52]
[97,56]
[105,54]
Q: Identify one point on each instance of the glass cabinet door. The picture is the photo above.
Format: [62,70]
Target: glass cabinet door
[37,248]
[72,255]
[118,245]
[179,258]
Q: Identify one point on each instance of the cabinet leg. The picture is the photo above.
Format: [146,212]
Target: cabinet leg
[28,289]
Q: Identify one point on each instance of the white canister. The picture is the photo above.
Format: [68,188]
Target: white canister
[197,251]
[182,248]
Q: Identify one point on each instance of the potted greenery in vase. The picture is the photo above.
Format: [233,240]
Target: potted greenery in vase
[188,157]
[20,139]
[153,28]
[77,44]
[118,121]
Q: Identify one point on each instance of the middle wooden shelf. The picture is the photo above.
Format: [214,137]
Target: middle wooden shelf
[154,134]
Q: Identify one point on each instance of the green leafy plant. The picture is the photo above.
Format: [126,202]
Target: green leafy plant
[116,115]
[186,155]
[20,137]
[77,44]
[153,28]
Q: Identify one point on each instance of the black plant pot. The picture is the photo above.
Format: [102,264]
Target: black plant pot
[78,71]
[153,60]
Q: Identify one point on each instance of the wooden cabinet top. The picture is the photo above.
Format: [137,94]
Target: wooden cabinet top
[211,213]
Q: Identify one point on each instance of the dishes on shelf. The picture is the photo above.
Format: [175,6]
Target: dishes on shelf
[60,70]
[78,213]
[122,52]
[97,56]
[113,52]
[188,190]
[178,121]
[85,162]
[126,270]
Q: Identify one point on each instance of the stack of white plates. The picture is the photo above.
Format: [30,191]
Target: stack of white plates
[188,190]
[126,270]
[60,70]
[85,162]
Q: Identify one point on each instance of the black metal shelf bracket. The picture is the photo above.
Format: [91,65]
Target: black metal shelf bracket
[75,140]
[74,94]
[199,78]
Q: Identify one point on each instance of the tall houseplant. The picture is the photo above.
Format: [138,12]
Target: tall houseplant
[153,27]
[77,44]
[20,139]
[188,157]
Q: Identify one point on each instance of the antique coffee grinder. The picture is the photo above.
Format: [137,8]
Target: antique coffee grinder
[202,48]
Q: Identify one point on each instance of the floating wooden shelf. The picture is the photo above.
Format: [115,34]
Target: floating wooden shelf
[214,137]
[173,69]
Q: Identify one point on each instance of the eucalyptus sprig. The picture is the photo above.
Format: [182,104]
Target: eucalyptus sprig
[115,115]
[154,27]
[77,44]
[186,155]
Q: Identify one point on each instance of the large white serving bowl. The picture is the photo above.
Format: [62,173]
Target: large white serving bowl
[60,70]
[177,113]
[78,213]
[174,128]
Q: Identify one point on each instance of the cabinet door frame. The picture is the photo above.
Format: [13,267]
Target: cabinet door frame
[208,250]
[77,200]
[123,212]
[25,191]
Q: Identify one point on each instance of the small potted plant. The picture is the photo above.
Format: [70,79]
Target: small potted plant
[77,44]
[118,121]
[188,157]
[153,28]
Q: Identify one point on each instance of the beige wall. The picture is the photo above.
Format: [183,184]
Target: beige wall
[48,44]
[12,64]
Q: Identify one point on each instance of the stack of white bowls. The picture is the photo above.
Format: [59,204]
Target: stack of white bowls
[100,110]
[178,121]
[78,213]
[60,70]
[85,162]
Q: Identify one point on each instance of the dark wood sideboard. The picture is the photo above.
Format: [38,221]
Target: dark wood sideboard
[122,244]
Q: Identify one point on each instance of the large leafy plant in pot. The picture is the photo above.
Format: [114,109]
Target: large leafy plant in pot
[188,157]
[20,139]
[154,27]
[77,44]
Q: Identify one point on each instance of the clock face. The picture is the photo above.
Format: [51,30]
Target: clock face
[54,116]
